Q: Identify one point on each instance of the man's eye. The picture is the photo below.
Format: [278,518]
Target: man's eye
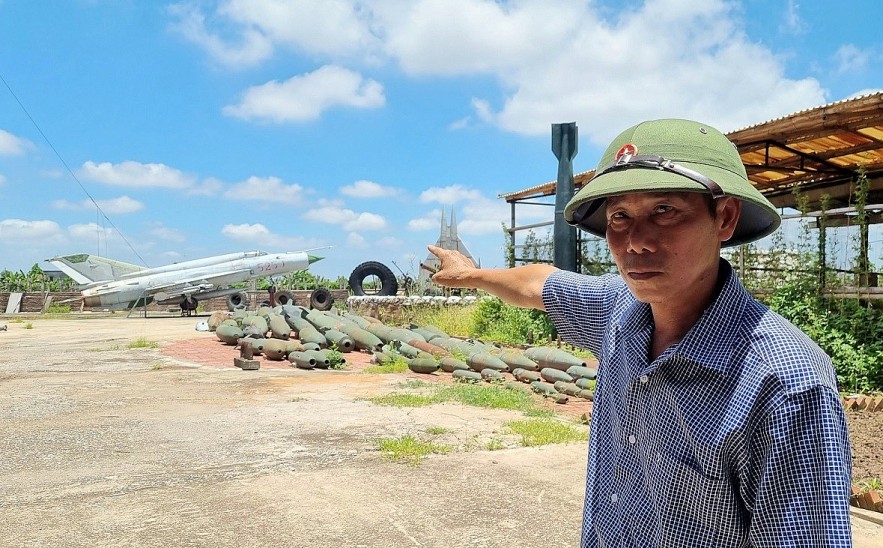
[664,208]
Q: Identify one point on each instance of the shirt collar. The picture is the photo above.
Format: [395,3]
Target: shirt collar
[709,342]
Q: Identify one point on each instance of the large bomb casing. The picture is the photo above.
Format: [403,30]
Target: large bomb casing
[339,339]
[450,364]
[301,360]
[279,327]
[228,334]
[275,349]
[555,358]
[515,360]
[479,361]
[423,365]
[554,375]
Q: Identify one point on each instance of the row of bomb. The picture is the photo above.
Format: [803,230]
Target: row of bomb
[550,371]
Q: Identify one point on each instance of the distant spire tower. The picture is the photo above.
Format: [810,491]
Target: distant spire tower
[447,239]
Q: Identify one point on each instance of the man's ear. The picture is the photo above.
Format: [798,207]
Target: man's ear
[728,210]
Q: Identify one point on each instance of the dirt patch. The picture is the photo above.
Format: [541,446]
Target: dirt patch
[109,444]
[866,435]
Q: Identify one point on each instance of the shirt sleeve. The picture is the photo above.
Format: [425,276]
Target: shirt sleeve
[580,306]
[799,474]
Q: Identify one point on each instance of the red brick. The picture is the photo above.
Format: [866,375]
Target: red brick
[873,500]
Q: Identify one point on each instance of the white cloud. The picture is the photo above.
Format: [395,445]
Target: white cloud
[331,212]
[792,23]
[331,28]
[2,180]
[449,195]
[121,205]
[19,231]
[164,232]
[92,232]
[304,98]
[850,58]
[367,189]
[135,175]
[259,235]
[251,47]
[430,221]
[246,232]
[866,91]
[554,60]
[266,189]
[207,187]
[10,145]
[354,239]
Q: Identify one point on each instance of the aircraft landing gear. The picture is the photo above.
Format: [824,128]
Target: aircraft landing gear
[188,305]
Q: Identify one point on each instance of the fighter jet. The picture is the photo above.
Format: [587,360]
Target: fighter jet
[114,284]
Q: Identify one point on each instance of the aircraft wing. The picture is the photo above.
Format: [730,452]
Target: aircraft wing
[192,286]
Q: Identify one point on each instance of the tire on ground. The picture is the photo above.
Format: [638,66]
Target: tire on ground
[237,301]
[388,283]
[283,296]
[321,299]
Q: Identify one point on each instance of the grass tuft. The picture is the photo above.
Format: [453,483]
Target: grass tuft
[477,395]
[409,449]
[437,430]
[141,342]
[402,400]
[545,431]
[398,366]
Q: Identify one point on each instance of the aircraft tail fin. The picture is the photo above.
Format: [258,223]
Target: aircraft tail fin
[87,269]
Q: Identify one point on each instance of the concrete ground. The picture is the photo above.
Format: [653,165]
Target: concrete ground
[106,445]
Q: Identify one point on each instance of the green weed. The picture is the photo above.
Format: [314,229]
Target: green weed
[476,395]
[409,449]
[437,430]
[402,400]
[397,366]
[545,431]
[494,445]
[29,325]
[141,342]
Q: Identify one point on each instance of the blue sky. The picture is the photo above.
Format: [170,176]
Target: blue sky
[203,128]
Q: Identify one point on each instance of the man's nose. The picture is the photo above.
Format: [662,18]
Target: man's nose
[642,237]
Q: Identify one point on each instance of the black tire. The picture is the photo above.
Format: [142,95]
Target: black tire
[321,299]
[388,283]
[237,301]
[283,296]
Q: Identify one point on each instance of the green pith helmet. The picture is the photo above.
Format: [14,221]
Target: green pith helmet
[673,156]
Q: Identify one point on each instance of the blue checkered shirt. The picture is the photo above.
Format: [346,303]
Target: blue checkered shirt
[735,436]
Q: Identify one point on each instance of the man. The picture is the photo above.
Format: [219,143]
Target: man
[715,421]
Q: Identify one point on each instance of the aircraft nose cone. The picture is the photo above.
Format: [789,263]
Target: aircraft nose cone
[314,258]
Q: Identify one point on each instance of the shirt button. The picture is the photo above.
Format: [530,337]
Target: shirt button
[644,379]
[632,439]
[614,498]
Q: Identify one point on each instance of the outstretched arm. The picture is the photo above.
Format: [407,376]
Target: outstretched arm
[520,286]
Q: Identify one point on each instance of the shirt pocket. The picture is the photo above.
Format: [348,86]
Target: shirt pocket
[691,507]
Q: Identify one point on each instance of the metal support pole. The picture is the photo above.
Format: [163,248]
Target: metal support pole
[564,145]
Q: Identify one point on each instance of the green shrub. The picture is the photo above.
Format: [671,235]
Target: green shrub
[497,321]
[848,332]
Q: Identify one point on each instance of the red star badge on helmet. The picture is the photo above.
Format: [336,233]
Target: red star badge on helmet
[626,149]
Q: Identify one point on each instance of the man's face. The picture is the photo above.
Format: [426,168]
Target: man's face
[667,244]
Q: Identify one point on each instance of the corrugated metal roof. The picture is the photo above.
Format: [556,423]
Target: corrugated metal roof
[817,149]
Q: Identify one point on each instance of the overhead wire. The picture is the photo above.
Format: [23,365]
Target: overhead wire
[70,171]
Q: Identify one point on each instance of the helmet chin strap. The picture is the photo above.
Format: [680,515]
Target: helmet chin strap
[627,161]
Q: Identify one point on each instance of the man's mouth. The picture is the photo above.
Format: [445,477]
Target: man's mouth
[643,275]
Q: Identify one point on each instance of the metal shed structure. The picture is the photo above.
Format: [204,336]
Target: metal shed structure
[818,151]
